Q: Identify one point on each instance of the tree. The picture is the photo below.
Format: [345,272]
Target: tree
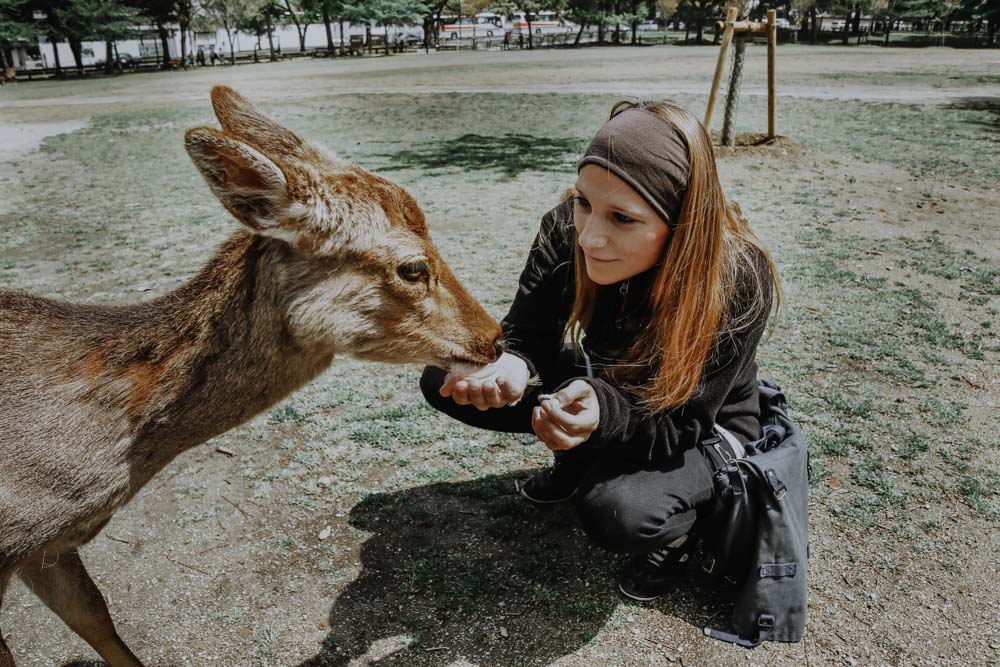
[735,79]
[699,12]
[979,11]
[161,14]
[892,11]
[228,14]
[15,27]
[301,13]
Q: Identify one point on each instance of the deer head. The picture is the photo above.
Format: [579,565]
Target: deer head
[359,272]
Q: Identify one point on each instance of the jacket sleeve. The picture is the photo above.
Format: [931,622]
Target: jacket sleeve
[630,431]
[533,327]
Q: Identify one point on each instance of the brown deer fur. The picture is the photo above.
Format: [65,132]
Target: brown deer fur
[96,400]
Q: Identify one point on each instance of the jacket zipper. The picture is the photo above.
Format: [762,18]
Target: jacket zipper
[623,290]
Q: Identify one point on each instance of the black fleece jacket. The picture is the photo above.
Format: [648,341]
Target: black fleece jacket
[533,329]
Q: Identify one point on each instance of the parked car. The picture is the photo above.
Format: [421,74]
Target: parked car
[125,61]
[649,25]
[779,22]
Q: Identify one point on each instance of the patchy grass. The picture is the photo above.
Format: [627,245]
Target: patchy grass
[887,332]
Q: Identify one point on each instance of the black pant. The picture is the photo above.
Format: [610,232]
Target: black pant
[624,507]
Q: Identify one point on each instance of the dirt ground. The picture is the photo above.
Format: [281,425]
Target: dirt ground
[352,525]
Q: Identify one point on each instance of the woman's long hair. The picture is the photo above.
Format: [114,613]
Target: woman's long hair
[707,253]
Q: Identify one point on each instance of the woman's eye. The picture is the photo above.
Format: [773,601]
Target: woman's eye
[621,217]
[582,202]
[414,272]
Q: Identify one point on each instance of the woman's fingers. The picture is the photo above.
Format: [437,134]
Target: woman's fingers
[507,392]
[460,393]
[492,395]
[448,386]
[477,396]
[575,424]
[548,432]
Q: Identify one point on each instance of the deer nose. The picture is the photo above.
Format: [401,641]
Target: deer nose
[499,346]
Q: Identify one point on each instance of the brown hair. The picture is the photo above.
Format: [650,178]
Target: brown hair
[695,283]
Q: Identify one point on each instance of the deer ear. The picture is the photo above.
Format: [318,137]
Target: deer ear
[242,120]
[252,186]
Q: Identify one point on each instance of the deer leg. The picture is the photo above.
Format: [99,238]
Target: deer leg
[6,657]
[62,583]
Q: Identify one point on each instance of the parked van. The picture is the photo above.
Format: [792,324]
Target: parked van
[479,26]
[543,23]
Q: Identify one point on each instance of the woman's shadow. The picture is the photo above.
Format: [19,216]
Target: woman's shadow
[472,570]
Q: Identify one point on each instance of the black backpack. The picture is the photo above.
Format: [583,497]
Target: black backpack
[756,535]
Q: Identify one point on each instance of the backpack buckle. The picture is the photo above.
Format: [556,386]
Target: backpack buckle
[776,484]
[765,622]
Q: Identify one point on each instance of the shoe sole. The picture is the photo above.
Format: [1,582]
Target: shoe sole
[638,598]
[520,490]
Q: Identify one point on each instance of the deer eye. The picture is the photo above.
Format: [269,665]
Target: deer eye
[413,272]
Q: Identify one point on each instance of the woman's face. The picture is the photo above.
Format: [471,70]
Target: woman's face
[620,234]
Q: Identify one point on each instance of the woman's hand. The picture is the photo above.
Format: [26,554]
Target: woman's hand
[568,417]
[494,386]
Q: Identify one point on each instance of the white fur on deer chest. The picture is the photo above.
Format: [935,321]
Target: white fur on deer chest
[337,312]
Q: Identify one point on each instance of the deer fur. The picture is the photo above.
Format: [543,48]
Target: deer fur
[96,400]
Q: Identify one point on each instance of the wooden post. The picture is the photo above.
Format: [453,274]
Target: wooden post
[772,43]
[727,36]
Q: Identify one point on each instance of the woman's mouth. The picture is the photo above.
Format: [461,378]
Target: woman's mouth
[591,258]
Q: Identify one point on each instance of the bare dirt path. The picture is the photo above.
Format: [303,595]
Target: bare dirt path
[881,214]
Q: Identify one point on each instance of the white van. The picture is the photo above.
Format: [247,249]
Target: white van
[545,22]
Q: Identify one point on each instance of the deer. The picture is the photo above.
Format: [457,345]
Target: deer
[95,400]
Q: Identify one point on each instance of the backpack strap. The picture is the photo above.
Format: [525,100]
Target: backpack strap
[765,625]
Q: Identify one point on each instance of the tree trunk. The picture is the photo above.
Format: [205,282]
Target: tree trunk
[814,28]
[847,28]
[302,37]
[888,29]
[3,62]
[329,30]
[184,44]
[76,49]
[270,39]
[386,39]
[232,54]
[733,97]
[701,28]
[166,47]
[531,43]
[579,34]
[601,28]
[856,23]
[108,62]
[635,26]
[344,39]
[55,51]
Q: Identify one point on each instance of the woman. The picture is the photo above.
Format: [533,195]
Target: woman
[664,292]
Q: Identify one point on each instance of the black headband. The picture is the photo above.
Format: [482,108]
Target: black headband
[648,153]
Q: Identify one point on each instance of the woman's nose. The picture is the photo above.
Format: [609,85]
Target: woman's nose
[591,237]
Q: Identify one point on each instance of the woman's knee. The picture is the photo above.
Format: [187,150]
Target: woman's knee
[617,521]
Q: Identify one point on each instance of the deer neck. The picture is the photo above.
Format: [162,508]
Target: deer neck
[218,352]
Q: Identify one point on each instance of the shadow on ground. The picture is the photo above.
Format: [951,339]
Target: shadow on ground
[989,105]
[471,570]
[508,154]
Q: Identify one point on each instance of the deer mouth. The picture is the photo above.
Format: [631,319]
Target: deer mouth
[463,365]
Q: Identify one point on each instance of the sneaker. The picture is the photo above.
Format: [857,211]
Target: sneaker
[552,485]
[558,483]
[650,576]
